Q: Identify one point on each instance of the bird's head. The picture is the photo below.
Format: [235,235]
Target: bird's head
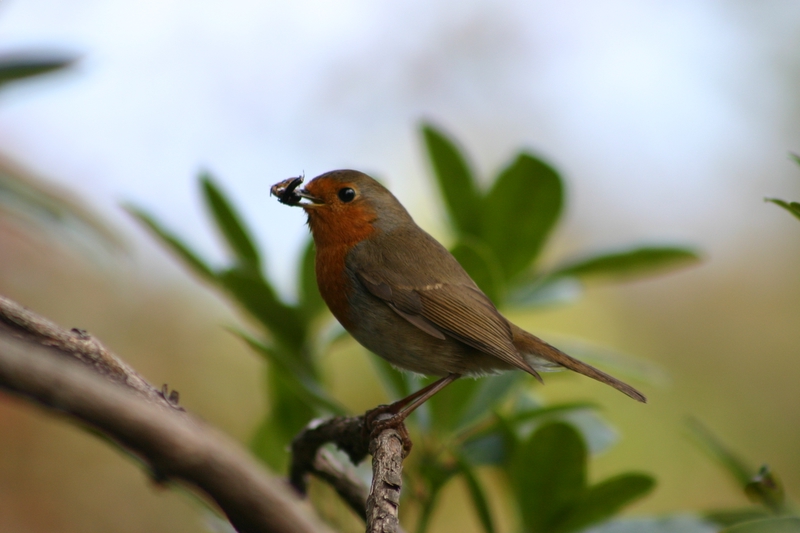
[347,206]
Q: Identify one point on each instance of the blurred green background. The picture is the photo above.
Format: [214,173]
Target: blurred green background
[669,123]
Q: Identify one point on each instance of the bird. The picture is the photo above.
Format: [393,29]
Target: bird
[403,296]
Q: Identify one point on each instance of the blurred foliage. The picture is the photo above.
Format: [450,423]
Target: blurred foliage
[23,65]
[493,422]
[773,512]
[31,202]
[792,207]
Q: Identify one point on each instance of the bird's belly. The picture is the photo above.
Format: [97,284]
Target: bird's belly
[387,334]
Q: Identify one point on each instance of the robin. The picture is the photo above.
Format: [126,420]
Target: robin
[403,296]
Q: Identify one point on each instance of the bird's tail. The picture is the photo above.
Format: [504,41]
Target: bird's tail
[540,355]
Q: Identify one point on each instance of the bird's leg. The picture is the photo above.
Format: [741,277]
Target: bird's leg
[375,420]
[409,404]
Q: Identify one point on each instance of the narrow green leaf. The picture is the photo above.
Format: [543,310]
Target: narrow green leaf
[298,380]
[310,299]
[487,448]
[256,296]
[639,261]
[602,501]
[435,475]
[478,495]
[481,264]
[727,517]
[467,400]
[173,243]
[795,157]
[520,211]
[548,476]
[789,524]
[20,66]
[544,291]
[459,190]
[447,405]
[397,383]
[550,410]
[230,224]
[287,415]
[682,523]
[740,471]
[792,207]
[490,391]
[267,444]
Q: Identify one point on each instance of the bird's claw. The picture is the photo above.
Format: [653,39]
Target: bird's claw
[382,418]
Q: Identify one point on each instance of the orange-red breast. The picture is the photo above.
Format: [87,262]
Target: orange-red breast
[403,296]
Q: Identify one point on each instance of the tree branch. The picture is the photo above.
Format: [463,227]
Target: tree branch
[77,344]
[387,479]
[38,361]
[378,506]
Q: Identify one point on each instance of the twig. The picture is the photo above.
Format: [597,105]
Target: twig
[387,479]
[347,433]
[378,506]
[37,361]
[349,487]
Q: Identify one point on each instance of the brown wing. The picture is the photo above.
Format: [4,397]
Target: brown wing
[461,312]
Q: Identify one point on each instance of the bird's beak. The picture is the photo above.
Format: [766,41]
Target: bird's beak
[314,201]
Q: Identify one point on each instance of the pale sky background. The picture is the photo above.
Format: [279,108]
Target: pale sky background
[670,120]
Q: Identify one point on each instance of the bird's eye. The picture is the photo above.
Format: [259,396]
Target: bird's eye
[346,194]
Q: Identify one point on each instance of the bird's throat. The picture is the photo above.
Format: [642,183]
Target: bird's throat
[335,234]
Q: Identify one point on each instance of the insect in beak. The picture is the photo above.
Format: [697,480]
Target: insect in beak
[287,194]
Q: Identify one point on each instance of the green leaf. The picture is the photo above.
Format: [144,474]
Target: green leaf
[605,499]
[670,524]
[298,380]
[310,299]
[459,190]
[230,224]
[173,243]
[287,415]
[551,410]
[548,476]
[727,517]
[467,400]
[20,66]
[545,291]
[766,489]
[789,524]
[268,445]
[489,391]
[256,296]
[435,475]
[478,495]
[740,471]
[492,442]
[792,207]
[520,211]
[639,261]
[481,264]
[398,384]
[487,448]
[446,406]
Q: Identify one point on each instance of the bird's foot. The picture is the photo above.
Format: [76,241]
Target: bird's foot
[386,417]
